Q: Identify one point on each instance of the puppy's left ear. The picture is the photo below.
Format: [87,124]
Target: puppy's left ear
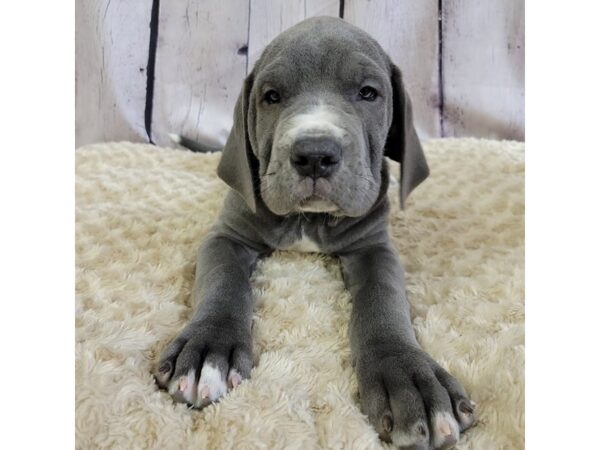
[238,166]
[402,143]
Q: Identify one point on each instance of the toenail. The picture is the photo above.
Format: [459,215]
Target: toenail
[421,430]
[165,368]
[445,428]
[183,384]
[235,380]
[204,392]
[465,408]
[387,423]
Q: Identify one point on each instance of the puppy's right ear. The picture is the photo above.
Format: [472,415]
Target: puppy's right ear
[238,166]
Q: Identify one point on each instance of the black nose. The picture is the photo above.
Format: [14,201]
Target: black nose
[316,157]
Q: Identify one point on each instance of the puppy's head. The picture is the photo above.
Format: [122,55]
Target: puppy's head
[320,109]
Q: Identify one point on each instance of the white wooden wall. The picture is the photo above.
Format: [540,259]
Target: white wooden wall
[111,46]
[139,79]
[483,64]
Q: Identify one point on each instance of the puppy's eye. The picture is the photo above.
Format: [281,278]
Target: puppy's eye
[368,93]
[272,96]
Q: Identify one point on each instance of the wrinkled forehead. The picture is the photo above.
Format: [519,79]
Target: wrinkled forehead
[306,72]
[322,53]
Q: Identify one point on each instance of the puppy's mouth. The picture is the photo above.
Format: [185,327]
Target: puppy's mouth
[314,203]
[315,196]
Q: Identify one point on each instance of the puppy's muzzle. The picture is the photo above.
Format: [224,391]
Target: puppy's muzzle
[316,157]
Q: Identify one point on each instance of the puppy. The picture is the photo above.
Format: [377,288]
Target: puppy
[305,162]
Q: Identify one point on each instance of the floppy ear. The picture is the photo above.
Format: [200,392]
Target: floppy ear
[402,143]
[238,166]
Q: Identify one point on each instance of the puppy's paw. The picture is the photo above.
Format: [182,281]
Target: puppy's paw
[412,401]
[204,362]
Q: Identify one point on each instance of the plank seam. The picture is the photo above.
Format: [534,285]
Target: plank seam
[150,68]
[441,67]
[248,36]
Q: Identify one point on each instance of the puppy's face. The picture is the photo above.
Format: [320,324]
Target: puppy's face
[318,116]
[313,121]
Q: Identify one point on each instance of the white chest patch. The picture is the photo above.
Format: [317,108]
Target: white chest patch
[304,245]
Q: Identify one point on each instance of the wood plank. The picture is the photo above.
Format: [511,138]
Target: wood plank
[408,31]
[268,18]
[321,8]
[483,69]
[110,74]
[199,68]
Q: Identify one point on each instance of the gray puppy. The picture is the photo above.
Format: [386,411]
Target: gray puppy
[305,161]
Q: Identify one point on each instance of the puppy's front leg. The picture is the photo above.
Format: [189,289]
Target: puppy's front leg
[410,400]
[214,351]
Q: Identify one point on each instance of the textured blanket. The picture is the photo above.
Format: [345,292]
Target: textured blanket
[141,214]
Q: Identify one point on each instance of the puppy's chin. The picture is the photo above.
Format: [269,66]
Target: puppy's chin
[317,205]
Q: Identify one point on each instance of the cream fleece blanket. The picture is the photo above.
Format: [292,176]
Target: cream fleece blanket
[141,214]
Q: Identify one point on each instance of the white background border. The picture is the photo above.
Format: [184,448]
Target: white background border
[562,224]
[37,224]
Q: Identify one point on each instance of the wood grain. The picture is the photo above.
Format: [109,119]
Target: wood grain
[408,31]
[483,69]
[205,49]
[199,68]
[110,79]
[268,18]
